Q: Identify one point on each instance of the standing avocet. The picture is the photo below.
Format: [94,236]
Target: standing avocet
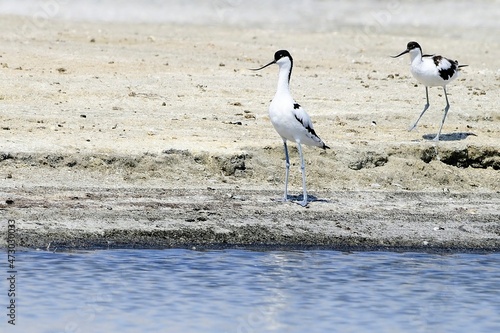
[431,71]
[290,120]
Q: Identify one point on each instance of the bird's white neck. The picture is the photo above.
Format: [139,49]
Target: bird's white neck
[284,79]
[416,54]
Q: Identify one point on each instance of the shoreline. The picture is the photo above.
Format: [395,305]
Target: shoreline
[158,218]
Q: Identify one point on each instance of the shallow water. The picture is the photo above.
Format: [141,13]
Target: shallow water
[179,290]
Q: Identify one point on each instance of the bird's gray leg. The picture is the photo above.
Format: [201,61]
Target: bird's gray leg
[445,113]
[287,167]
[425,109]
[303,203]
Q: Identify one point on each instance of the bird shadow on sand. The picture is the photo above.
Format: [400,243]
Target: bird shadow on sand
[298,198]
[449,137]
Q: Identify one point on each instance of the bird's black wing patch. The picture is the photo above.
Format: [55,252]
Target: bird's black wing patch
[296,105]
[437,60]
[307,127]
[446,67]
[307,124]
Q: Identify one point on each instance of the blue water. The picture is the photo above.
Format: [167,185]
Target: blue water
[254,291]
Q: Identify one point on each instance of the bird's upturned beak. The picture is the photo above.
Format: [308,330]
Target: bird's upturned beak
[404,52]
[258,69]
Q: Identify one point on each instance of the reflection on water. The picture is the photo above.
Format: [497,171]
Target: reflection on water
[250,291]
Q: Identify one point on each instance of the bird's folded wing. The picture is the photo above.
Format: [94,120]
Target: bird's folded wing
[301,116]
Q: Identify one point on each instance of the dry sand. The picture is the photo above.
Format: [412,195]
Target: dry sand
[158,135]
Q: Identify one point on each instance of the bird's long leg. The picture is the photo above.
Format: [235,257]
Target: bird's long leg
[303,203]
[423,111]
[447,107]
[287,167]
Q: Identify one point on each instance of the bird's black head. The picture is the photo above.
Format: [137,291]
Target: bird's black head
[409,47]
[279,55]
[413,45]
[282,54]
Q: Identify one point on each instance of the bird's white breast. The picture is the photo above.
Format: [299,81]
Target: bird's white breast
[282,118]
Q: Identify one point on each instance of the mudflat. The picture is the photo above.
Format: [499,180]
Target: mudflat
[156,135]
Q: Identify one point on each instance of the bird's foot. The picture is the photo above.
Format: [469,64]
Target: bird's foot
[282,199]
[303,203]
[411,128]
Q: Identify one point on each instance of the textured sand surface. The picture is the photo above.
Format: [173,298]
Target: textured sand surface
[158,135]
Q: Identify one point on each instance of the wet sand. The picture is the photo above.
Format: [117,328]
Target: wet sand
[135,135]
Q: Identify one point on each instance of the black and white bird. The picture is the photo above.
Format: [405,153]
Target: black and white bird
[290,120]
[431,71]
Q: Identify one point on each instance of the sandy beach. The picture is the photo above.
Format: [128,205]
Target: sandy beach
[157,135]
